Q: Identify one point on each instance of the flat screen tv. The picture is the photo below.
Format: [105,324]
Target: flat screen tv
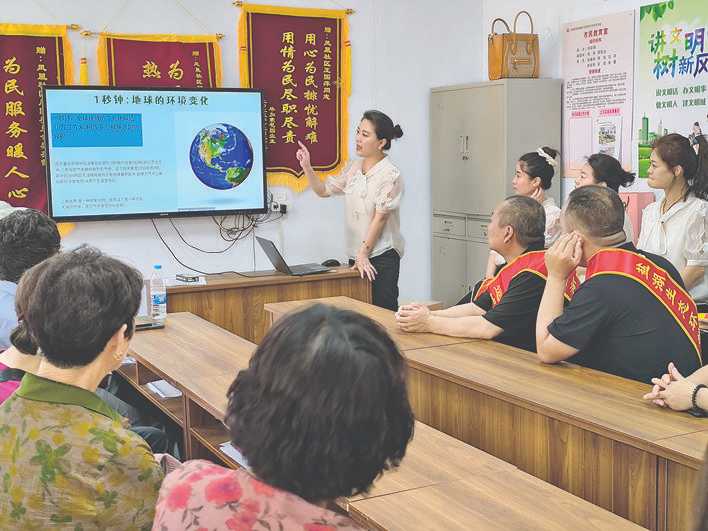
[116,153]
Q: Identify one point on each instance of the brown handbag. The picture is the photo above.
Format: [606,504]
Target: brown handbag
[513,54]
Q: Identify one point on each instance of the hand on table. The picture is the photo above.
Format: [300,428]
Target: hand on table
[672,390]
[413,318]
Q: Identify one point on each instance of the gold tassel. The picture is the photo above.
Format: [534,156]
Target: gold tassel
[83,72]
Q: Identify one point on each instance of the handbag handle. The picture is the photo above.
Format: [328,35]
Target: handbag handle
[508,29]
[514,43]
[516,19]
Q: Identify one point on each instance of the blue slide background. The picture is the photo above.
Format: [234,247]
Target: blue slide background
[166,134]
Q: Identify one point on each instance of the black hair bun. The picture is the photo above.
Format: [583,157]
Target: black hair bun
[397,131]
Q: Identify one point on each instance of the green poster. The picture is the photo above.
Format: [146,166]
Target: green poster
[672,73]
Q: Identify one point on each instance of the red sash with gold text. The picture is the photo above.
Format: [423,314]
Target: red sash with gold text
[657,280]
[535,263]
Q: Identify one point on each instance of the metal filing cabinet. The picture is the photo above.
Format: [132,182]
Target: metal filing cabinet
[478,132]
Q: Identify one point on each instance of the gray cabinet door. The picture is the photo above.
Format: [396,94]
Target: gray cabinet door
[449,270]
[446,150]
[484,168]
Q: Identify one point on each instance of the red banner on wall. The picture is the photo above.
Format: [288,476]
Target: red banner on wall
[31,56]
[300,59]
[190,61]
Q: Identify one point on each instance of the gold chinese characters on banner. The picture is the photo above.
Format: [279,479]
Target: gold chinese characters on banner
[31,56]
[189,61]
[300,58]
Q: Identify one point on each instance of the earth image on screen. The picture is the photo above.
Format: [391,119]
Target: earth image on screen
[221,156]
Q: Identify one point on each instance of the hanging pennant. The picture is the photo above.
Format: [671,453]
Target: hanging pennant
[31,56]
[190,61]
[300,58]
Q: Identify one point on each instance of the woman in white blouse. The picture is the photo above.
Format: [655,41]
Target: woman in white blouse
[372,187]
[533,176]
[607,171]
[675,227]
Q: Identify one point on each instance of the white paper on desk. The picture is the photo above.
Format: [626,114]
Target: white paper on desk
[163,389]
[128,360]
[229,449]
[169,282]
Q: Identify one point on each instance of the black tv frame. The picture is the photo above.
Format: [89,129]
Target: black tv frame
[150,215]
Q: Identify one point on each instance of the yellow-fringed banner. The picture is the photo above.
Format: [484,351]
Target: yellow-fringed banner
[129,60]
[31,56]
[301,59]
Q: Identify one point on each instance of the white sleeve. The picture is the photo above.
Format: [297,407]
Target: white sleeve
[336,184]
[696,245]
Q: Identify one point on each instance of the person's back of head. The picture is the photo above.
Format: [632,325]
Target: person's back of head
[596,212]
[26,238]
[20,337]
[609,170]
[322,409]
[526,216]
[78,302]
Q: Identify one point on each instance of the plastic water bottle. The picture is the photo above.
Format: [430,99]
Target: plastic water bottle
[158,295]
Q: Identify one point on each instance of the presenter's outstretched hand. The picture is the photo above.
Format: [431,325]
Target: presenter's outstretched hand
[303,156]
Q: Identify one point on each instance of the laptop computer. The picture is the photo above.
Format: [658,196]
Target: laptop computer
[279,263]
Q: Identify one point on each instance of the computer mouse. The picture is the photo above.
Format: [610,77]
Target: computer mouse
[331,263]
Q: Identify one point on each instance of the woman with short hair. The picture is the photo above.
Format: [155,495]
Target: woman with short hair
[320,413]
[65,457]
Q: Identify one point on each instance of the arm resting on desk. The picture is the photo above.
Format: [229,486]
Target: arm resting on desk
[417,318]
[550,349]
[462,310]
[472,326]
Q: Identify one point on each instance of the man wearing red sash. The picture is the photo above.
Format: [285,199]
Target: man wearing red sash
[632,315]
[504,307]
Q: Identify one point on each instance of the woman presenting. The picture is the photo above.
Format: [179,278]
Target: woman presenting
[372,187]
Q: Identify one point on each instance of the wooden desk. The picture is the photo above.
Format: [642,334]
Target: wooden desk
[588,432]
[235,303]
[385,318]
[489,501]
[585,431]
[202,359]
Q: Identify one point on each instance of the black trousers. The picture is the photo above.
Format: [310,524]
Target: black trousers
[384,288]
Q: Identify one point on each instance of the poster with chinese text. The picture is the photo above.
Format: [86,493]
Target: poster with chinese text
[189,61]
[31,56]
[300,59]
[672,73]
[598,74]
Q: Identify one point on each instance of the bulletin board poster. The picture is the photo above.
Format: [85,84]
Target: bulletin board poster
[672,73]
[598,84]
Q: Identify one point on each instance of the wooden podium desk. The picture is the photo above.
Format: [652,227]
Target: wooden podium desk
[235,302]
[585,431]
[439,475]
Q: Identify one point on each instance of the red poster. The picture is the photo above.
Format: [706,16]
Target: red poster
[190,61]
[30,57]
[300,59]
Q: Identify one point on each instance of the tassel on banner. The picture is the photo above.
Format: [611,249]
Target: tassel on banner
[83,71]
